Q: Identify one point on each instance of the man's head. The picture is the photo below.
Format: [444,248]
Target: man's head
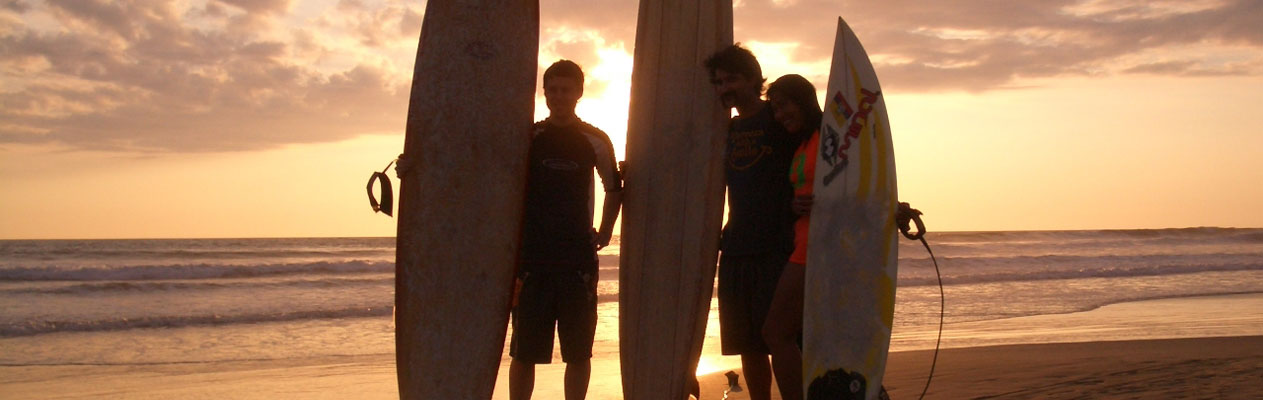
[736,74]
[563,86]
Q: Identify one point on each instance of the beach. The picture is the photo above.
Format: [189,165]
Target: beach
[1226,367]
[1170,313]
[1199,368]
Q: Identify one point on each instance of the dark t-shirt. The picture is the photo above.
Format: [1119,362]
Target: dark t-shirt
[757,160]
[557,220]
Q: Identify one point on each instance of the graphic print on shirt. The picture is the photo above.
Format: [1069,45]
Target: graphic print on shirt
[747,149]
[798,171]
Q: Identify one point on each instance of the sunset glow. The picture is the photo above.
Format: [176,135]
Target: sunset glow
[213,118]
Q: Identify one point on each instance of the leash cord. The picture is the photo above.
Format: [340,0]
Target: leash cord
[904,216]
[942,311]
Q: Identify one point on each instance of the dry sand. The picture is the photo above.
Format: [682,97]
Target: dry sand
[1200,368]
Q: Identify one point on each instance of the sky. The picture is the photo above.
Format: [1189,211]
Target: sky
[265,118]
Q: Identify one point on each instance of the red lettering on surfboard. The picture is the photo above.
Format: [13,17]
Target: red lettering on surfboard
[835,153]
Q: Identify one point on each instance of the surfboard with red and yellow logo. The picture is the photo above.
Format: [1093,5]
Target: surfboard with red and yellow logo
[849,296]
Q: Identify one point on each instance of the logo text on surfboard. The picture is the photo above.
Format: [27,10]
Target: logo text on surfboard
[834,145]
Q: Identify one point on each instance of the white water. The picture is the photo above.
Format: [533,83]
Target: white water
[178,301]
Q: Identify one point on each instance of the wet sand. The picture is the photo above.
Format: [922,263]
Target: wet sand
[1209,368]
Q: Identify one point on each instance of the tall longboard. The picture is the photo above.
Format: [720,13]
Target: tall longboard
[460,209]
[849,298]
[673,201]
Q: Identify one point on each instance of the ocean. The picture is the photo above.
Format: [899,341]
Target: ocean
[173,301]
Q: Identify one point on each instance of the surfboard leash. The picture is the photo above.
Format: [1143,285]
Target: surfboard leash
[905,215]
[387,203]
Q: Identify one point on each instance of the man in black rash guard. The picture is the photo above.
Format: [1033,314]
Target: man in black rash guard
[557,273]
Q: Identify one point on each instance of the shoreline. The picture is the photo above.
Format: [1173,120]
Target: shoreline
[1214,367]
[1147,349]
[1165,318]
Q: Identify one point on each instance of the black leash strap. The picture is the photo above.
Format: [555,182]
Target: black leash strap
[388,194]
[905,215]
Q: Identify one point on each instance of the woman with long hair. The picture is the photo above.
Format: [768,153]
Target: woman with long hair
[795,107]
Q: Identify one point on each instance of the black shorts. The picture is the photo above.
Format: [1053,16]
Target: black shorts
[567,299]
[746,287]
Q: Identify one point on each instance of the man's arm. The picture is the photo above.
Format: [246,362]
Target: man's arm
[609,212]
[609,169]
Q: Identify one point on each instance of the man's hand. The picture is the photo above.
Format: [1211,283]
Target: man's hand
[402,166]
[904,216]
[601,239]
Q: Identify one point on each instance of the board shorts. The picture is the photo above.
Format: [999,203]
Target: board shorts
[747,284]
[566,299]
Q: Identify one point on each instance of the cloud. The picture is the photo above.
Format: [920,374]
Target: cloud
[1191,68]
[615,20]
[14,5]
[257,6]
[378,24]
[152,76]
[223,75]
[979,45]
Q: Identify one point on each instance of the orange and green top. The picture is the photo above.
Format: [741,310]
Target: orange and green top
[802,173]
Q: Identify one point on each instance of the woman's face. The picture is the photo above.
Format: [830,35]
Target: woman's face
[786,112]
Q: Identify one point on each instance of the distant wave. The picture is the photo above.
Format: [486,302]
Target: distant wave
[192,286]
[198,271]
[1038,274]
[1090,260]
[1249,235]
[30,328]
[203,254]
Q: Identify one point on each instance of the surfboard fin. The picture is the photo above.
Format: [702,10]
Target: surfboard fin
[387,193]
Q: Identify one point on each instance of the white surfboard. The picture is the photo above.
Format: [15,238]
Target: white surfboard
[673,201]
[460,208]
[849,297]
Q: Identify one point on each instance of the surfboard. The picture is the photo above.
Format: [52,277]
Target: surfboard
[673,196]
[460,208]
[849,296]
